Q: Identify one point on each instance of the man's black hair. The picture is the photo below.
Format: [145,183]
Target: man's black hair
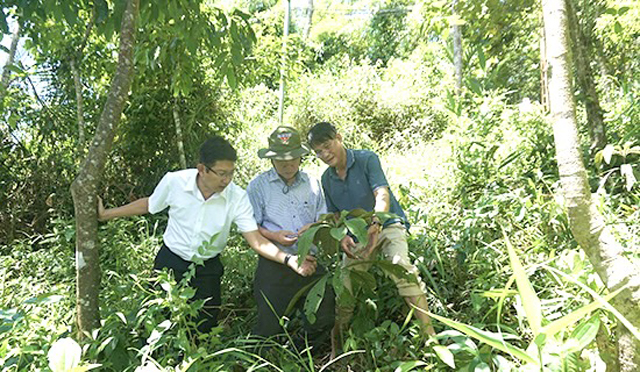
[321,133]
[216,148]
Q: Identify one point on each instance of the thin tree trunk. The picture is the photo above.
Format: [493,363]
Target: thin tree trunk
[587,225]
[544,73]
[283,67]
[79,106]
[85,186]
[178,123]
[309,19]
[457,51]
[6,72]
[78,87]
[582,62]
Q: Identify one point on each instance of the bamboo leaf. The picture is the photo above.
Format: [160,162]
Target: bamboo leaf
[530,300]
[577,315]
[582,336]
[445,355]
[488,338]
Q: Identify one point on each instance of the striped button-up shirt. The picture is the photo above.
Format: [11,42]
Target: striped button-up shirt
[277,206]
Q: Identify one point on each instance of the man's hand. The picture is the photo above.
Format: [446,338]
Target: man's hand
[285,237]
[307,268]
[347,244]
[373,234]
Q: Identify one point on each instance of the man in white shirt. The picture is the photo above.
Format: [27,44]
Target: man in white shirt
[203,202]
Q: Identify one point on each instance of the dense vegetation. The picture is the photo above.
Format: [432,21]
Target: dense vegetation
[476,173]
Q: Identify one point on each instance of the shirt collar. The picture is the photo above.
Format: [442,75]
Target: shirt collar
[351,160]
[192,186]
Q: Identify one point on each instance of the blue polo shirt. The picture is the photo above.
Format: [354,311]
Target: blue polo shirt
[364,176]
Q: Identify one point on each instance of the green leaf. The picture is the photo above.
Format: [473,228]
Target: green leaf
[623,10]
[583,335]
[611,11]
[445,355]
[305,241]
[577,315]
[409,366]
[325,241]
[231,77]
[617,27]
[70,11]
[488,338]
[530,300]
[482,59]
[396,270]
[338,232]
[358,227]
[294,300]
[314,298]
[102,10]
[363,280]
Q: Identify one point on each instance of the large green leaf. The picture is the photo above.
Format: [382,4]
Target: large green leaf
[305,241]
[445,355]
[358,227]
[530,300]
[314,298]
[488,338]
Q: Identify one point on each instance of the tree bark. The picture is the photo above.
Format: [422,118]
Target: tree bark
[85,186]
[457,51]
[587,225]
[178,123]
[582,62]
[544,73]
[283,66]
[6,73]
[78,87]
[79,106]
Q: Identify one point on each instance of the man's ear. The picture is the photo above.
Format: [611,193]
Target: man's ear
[201,168]
[339,137]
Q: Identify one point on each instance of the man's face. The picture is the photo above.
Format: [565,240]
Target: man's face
[330,152]
[218,176]
[287,169]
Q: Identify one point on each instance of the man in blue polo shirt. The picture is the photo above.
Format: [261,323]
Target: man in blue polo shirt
[353,180]
[285,202]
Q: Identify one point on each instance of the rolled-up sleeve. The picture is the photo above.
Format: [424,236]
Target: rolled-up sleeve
[243,217]
[159,200]
[375,173]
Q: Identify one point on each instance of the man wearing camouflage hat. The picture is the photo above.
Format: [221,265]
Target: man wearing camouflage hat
[285,202]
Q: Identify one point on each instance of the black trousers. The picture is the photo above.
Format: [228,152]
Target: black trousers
[279,284]
[206,282]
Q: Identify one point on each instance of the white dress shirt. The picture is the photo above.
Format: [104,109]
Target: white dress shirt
[197,227]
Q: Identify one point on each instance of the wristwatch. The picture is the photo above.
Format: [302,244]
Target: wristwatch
[287,258]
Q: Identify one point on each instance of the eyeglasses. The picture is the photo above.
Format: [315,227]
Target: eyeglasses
[228,175]
[322,149]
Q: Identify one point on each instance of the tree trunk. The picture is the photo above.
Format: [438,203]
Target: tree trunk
[6,72]
[544,73]
[78,87]
[457,51]
[79,107]
[582,62]
[587,225]
[85,186]
[176,119]
[309,19]
[283,67]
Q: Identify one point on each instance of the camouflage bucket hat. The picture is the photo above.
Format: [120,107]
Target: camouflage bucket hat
[284,144]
